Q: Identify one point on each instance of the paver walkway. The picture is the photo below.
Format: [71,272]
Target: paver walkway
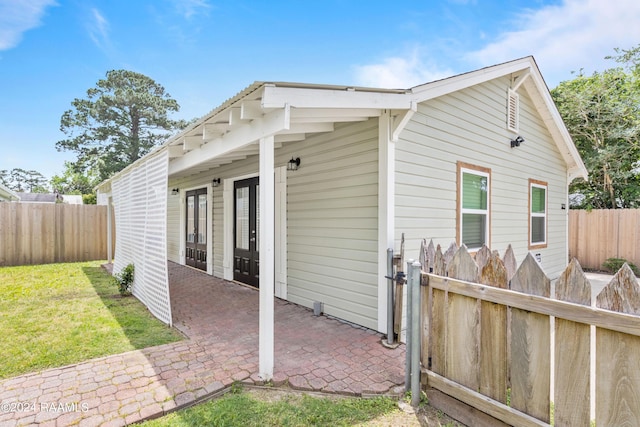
[221,321]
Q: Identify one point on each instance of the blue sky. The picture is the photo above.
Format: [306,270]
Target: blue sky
[205,51]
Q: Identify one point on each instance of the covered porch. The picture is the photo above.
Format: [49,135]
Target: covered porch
[314,353]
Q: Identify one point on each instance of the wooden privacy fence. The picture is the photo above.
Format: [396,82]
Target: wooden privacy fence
[599,234]
[487,339]
[41,233]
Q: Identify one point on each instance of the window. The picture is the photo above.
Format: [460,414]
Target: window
[537,214]
[474,197]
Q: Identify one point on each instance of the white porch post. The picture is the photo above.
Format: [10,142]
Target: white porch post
[109,231]
[267,258]
[386,210]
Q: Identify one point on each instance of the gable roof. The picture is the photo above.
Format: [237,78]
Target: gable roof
[525,74]
[7,194]
[295,110]
[38,197]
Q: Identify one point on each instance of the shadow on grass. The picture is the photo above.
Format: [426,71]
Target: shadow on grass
[137,323]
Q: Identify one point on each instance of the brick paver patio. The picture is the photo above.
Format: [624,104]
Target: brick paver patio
[221,321]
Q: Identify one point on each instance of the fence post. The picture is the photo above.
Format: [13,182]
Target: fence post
[414,300]
[409,343]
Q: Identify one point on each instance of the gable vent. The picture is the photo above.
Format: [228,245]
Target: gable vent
[513,111]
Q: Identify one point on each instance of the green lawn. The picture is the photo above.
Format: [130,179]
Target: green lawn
[58,314]
[240,408]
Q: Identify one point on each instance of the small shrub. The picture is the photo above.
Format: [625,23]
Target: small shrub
[124,280]
[612,265]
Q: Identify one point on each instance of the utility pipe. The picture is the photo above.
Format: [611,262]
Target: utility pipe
[414,289]
[390,338]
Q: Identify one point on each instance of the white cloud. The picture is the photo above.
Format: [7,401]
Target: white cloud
[19,16]
[189,8]
[98,28]
[567,37]
[399,72]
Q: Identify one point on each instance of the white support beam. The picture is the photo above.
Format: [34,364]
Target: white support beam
[386,210]
[520,79]
[269,125]
[250,110]
[175,151]
[292,137]
[308,128]
[401,121]
[190,143]
[235,116]
[267,258]
[214,130]
[277,97]
[328,119]
[335,113]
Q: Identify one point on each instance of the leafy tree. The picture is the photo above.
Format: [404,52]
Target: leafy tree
[23,180]
[119,121]
[72,181]
[602,114]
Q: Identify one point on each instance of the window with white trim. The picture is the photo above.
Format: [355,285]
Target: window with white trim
[537,214]
[474,185]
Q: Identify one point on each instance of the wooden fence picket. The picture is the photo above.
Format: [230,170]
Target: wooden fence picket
[493,333]
[572,352]
[463,323]
[530,345]
[617,361]
[438,335]
[510,262]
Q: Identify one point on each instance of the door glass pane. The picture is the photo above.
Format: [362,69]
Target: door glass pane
[474,191]
[242,218]
[190,219]
[257,217]
[202,218]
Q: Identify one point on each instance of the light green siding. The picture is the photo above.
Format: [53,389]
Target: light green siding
[332,211]
[470,126]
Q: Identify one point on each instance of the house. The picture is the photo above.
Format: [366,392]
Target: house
[7,195]
[72,199]
[40,197]
[299,189]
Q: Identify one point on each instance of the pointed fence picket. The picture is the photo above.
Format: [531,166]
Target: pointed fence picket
[487,339]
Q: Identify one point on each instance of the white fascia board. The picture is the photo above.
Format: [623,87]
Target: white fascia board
[463,81]
[277,97]
[334,113]
[269,125]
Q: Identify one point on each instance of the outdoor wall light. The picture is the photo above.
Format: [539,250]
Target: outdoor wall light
[215,182]
[516,142]
[175,191]
[293,164]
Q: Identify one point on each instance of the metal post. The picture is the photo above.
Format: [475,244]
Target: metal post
[414,289]
[409,344]
[390,338]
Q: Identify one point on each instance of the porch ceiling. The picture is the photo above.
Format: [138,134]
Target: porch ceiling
[289,114]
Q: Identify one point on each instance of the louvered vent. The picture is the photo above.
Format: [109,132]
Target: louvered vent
[513,111]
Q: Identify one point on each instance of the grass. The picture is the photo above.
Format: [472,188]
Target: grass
[59,314]
[240,408]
